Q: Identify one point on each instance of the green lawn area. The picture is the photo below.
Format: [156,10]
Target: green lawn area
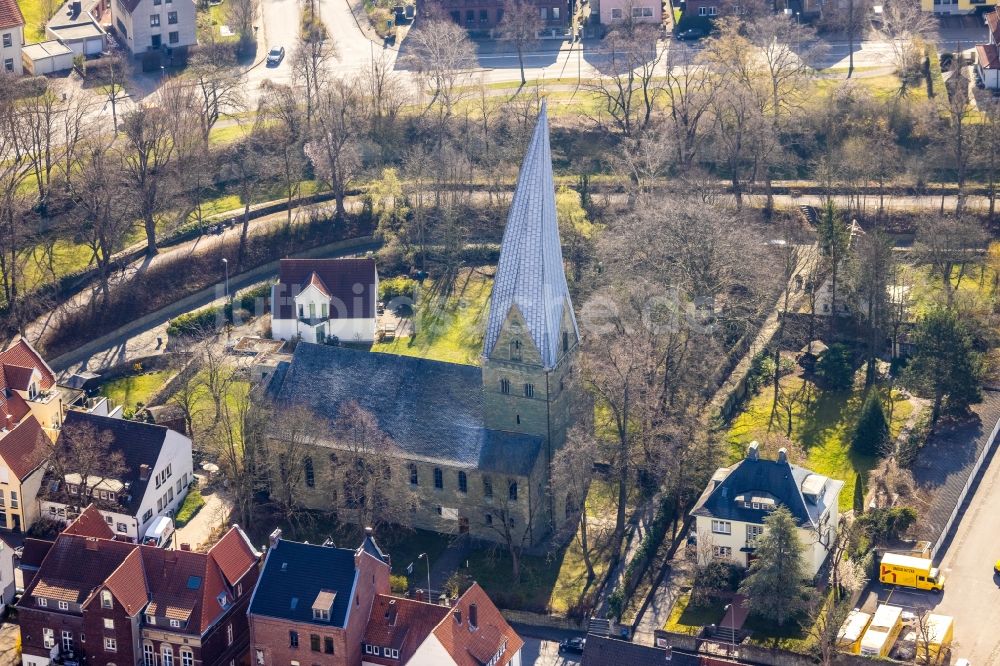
[130,390]
[822,423]
[687,619]
[190,507]
[34,19]
[973,288]
[449,321]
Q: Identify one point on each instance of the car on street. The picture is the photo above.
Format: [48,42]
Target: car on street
[691,34]
[275,56]
[574,645]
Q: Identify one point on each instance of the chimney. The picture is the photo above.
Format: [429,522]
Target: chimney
[274,537]
[783,455]
[368,532]
[391,613]
[753,451]
[186,547]
[144,472]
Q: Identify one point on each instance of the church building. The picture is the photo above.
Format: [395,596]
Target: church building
[470,446]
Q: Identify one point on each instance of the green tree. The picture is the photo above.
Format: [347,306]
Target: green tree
[871,434]
[945,367]
[774,587]
[886,525]
[834,366]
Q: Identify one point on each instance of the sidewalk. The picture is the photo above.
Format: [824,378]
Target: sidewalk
[658,611]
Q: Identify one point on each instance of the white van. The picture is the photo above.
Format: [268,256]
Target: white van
[160,533]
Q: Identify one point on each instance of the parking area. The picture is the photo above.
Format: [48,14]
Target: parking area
[538,652]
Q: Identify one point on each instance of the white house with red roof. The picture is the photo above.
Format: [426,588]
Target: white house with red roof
[11,36]
[319,299]
[988,56]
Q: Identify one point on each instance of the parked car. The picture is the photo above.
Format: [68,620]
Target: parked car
[691,34]
[574,645]
[276,55]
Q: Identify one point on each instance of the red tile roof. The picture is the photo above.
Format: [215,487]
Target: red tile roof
[10,15]
[90,523]
[350,283]
[988,56]
[474,646]
[174,584]
[993,23]
[401,624]
[316,281]
[21,353]
[25,447]
[18,377]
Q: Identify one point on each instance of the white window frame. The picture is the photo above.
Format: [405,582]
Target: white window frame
[722,527]
[110,644]
[49,638]
[722,551]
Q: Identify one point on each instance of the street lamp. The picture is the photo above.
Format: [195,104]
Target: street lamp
[225,262]
[423,556]
[732,627]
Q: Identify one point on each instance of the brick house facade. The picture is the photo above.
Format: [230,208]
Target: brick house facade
[114,603]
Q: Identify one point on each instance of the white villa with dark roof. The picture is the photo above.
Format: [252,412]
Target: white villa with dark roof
[729,515]
[470,447]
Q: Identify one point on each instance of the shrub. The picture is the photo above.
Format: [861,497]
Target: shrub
[871,434]
[616,603]
[190,507]
[397,287]
[887,525]
[399,584]
[915,440]
[192,323]
[834,366]
[714,581]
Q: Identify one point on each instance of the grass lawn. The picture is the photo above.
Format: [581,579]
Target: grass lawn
[34,19]
[449,321]
[973,288]
[822,423]
[687,619]
[130,390]
[190,507]
[791,636]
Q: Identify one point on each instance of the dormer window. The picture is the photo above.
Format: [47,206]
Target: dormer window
[321,614]
[323,605]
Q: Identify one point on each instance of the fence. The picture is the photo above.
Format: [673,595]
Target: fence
[965,491]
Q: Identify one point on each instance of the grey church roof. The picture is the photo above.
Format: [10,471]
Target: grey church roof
[778,479]
[530,273]
[432,411]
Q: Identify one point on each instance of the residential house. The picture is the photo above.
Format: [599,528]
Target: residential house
[77,29]
[470,632]
[472,445]
[324,299]
[312,602]
[154,25]
[484,16]
[158,471]
[11,37]
[956,6]
[102,601]
[988,55]
[729,515]
[639,11]
[9,543]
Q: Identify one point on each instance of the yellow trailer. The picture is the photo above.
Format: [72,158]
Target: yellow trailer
[909,571]
[883,631]
[934,636]
[849,636]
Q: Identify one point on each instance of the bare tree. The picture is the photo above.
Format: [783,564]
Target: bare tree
[906,26]
[443,54]
[948,244]
[572,472]
[870,268]
[366,458]
[147,151]
[689,92]
[242,16]
[219,83]
[511,521]
[113,79]
[281,126]
[313,51]
[519,28]
[959,148]
[237,438]
[334,149]
[293,436]
[85,458]
[245,164]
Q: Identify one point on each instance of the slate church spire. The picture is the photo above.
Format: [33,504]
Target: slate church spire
[532,338]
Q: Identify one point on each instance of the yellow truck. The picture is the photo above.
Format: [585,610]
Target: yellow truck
[909,571]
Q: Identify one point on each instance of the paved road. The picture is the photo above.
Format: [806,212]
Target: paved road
[972,591]
[539,652]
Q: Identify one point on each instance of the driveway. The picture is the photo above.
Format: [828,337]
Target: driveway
[539,652]
[215,514]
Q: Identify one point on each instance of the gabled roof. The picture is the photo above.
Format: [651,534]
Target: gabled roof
[10,15]
[90,523]
[234,555]
[993,24]
[988,56]
[431,410]
[774,479]
[139,443]
[530,275]
[75,567]
[369,546]
[21,353]
[294,574]
[18,377]
[401,624]
[25,447]
[128,583]
[351,285]
[475,646]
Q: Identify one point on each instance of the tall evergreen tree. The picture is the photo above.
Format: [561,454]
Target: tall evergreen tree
[871,434]
[946,367]
[775,587]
